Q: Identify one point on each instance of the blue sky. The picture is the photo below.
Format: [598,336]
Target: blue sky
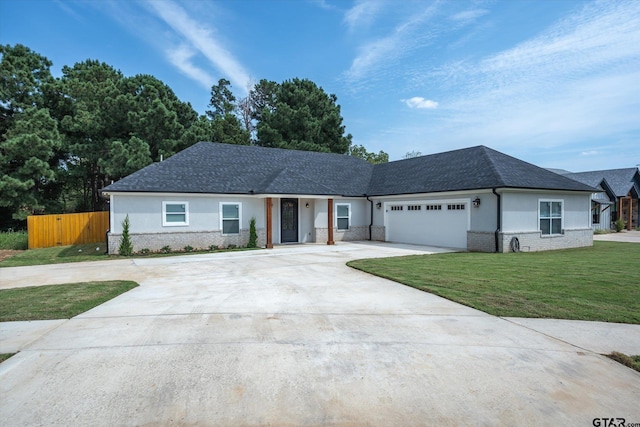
[553,82]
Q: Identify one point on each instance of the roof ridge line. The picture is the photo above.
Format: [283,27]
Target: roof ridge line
[493,166]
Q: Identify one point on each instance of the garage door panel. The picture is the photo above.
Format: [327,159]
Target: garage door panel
[422,225]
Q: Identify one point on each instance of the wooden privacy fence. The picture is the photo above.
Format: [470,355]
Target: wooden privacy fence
[46,231]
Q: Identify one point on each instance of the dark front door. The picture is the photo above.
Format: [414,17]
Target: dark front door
[288,220]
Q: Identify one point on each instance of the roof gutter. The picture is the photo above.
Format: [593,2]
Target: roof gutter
[498,221]
[371,216]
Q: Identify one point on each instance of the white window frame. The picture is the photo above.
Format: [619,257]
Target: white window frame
[239,204]
[348,205]
[551,233]
[166,223]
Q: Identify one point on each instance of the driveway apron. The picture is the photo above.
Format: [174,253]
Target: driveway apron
[293,336]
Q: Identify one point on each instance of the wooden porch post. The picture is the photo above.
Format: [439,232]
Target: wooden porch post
[630,213]
[330,216]
[269,223]
[620,208]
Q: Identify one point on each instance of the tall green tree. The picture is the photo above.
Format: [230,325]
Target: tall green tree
[90,124]
[226,126]
[263,98]
[23,75]
[30,144]
[373,158]
[114,125]
[26,154]
[304,117]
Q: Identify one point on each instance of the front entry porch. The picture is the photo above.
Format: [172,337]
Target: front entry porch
[298,220]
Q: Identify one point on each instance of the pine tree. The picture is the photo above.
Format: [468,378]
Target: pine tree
[126,247]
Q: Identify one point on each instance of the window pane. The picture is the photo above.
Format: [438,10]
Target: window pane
[230,211]
[179,208]
[343,223]
[545,226]
[556,226]
[343,210]
[230,226]
[556,209]
[176,218]
[545,209]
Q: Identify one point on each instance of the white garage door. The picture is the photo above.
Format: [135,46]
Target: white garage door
[433,223]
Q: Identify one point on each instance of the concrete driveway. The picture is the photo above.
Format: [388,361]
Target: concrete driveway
[294,337]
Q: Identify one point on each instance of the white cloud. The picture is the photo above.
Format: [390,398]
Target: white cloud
[322,4]
[420,102]
[384,51]
[552,98]
[468,15]
[362,14]
[201,38]
[181,57]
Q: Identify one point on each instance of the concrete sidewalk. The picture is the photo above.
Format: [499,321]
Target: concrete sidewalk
[294,337]
[632,236]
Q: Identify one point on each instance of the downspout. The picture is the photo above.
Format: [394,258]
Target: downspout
[371,221]
[498,221]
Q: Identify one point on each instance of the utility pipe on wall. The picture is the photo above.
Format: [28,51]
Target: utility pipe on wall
[498,222]
[371,221]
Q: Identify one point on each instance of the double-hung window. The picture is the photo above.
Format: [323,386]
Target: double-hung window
[175,213]
[230,218]
[343,215]
[550,217]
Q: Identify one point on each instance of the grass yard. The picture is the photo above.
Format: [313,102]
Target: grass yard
[58,301]
[598,283]
[632,362]
[85,252]
[58,254]
[5,356]
[14,240]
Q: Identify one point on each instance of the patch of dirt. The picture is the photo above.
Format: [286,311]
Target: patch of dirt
[7,253]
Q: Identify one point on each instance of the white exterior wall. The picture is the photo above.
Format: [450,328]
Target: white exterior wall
[358,224]
[520,219]
[203,230]
[520,210]
[145,212]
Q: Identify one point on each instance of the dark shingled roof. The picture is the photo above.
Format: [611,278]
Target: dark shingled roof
[467,169]
[208,167]
[621,181]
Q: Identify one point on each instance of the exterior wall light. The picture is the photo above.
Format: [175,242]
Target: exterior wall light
[476,202]
[307,205]
[378,205]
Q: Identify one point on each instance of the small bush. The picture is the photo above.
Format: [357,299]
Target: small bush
[231,247]
[620,225]
[126,247]
[166,249]
[213,247]
[253,235]
[188,248]
[144,251]
[14,240]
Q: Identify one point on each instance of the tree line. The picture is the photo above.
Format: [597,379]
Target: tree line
[63,139]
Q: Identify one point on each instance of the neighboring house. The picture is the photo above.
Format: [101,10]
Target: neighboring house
[474,199]
[619,197]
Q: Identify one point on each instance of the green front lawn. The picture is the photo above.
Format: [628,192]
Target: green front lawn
[598,283]
[58,301]
[57,254]
[89,252]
